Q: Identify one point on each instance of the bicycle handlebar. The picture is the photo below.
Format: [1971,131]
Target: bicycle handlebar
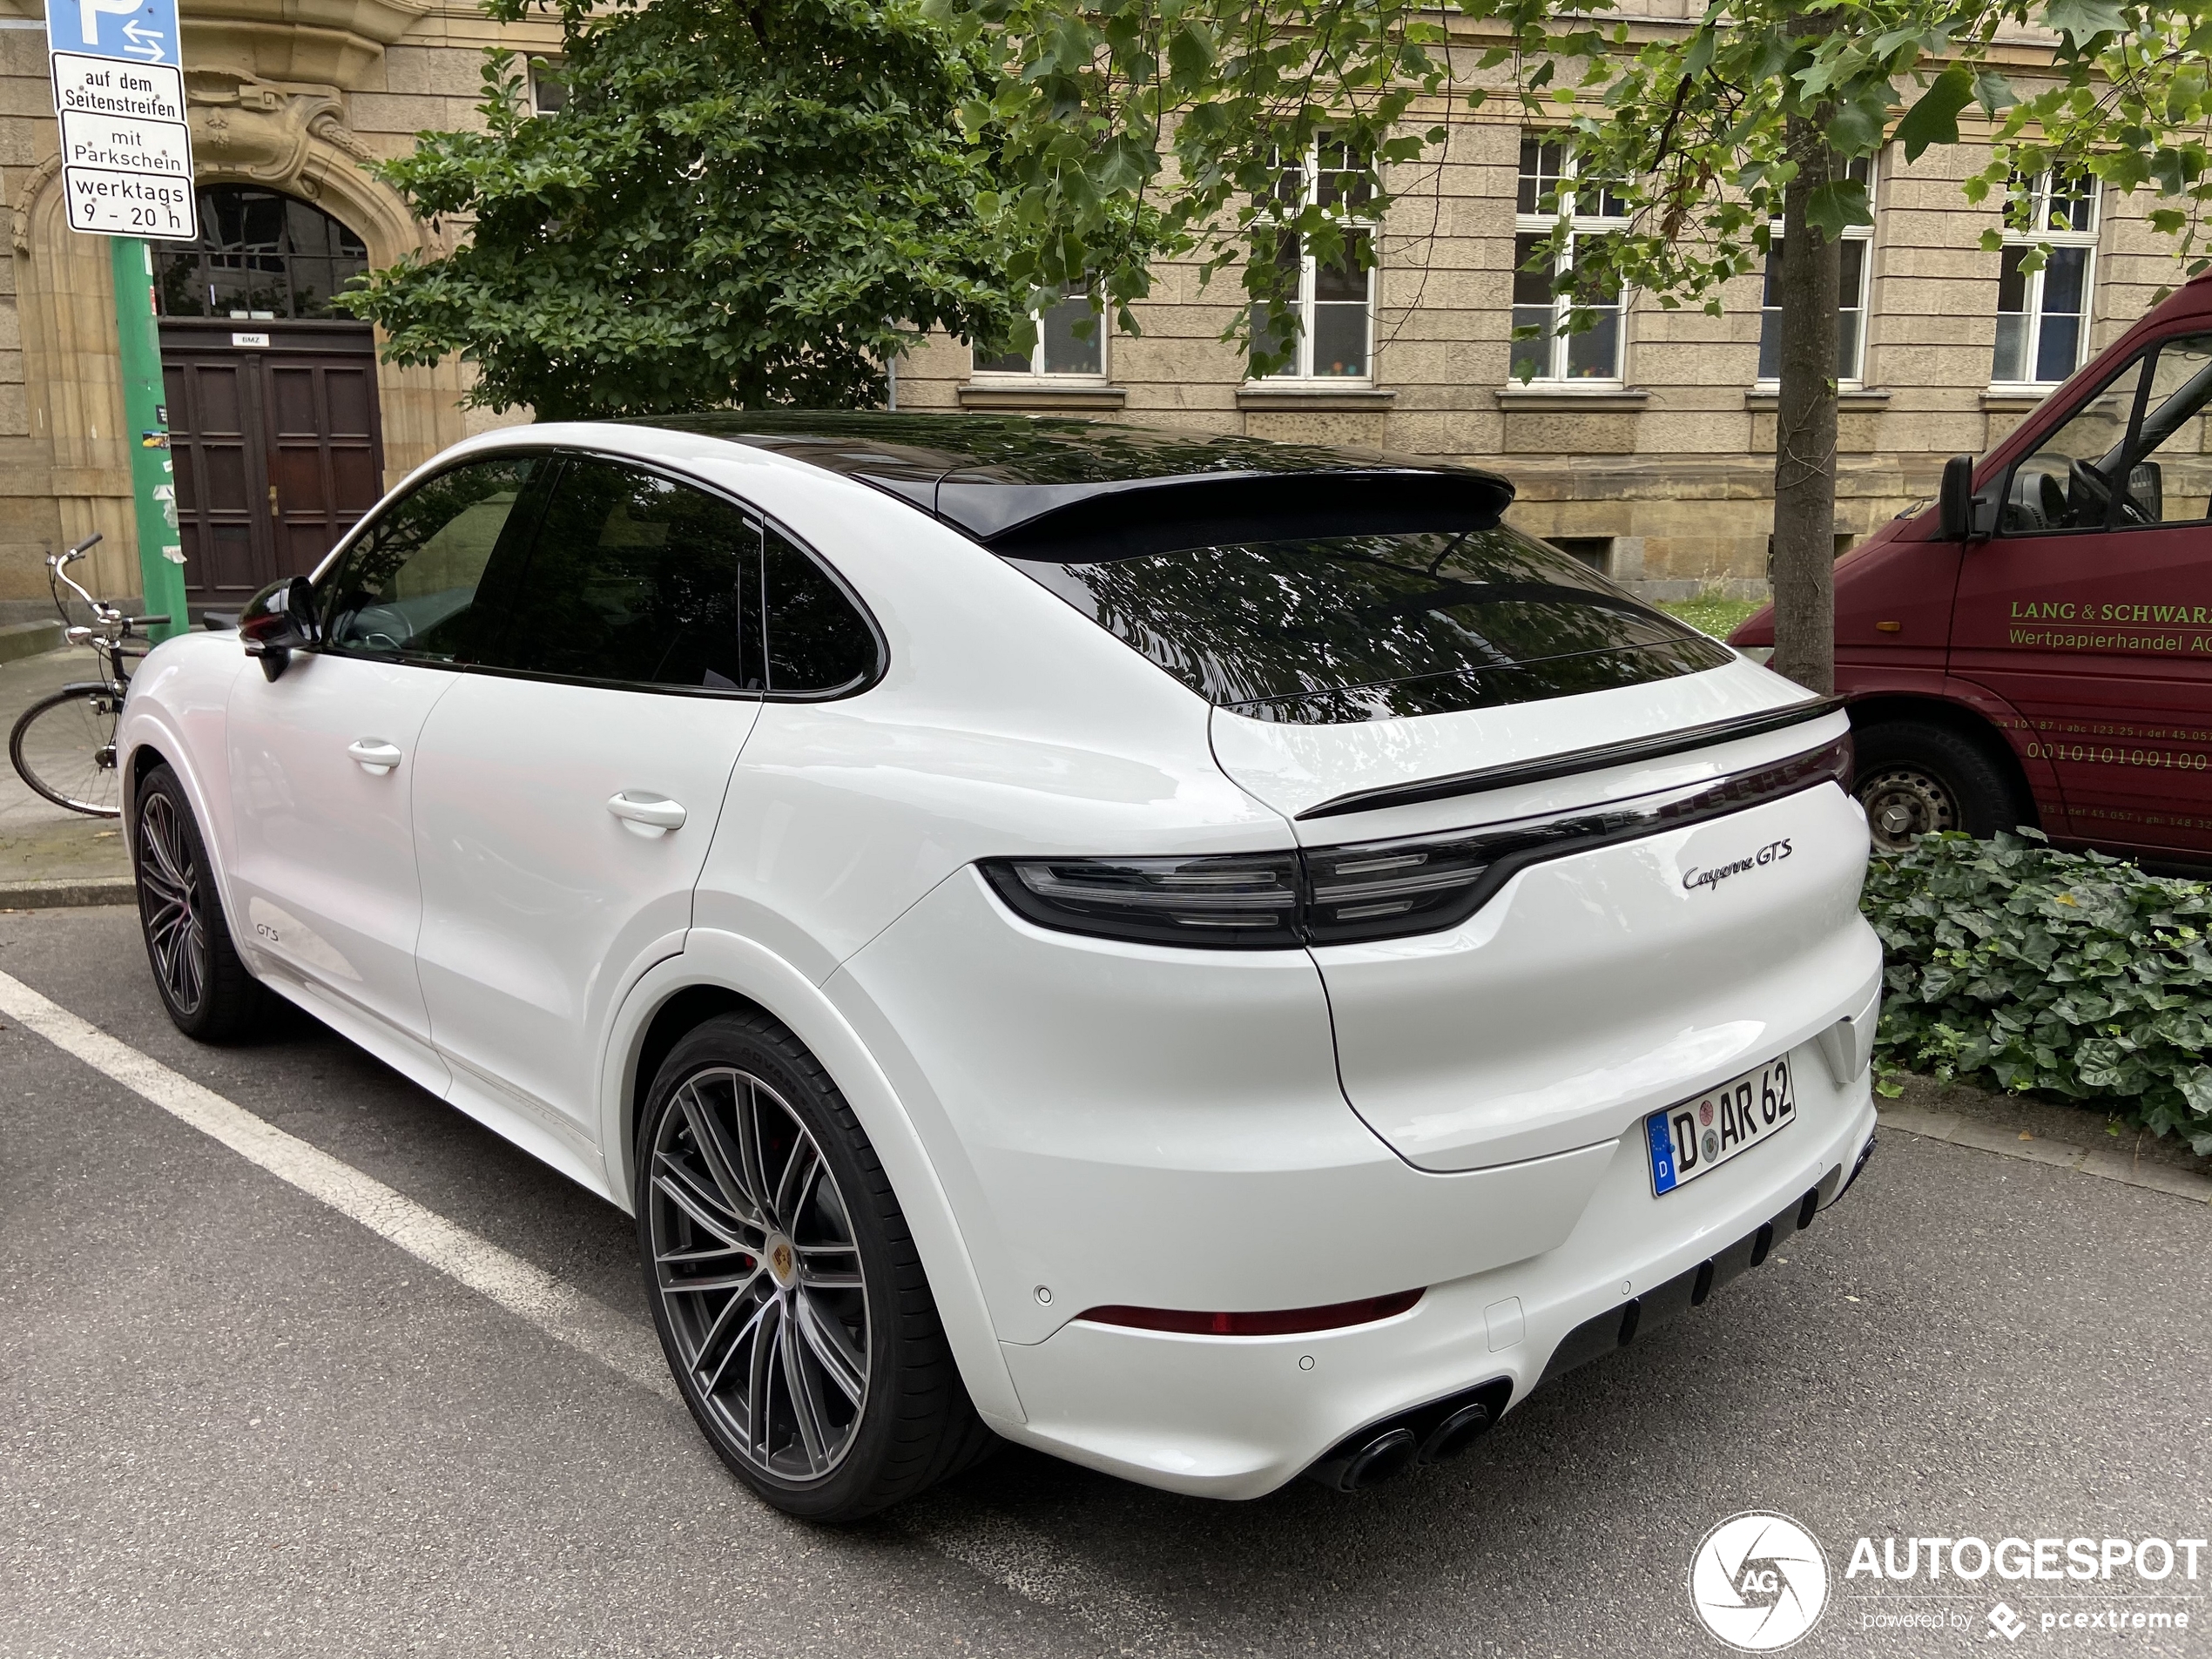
[146,622]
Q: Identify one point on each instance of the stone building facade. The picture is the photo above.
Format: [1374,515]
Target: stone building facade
[287,101]
[1655,462]
[1649,451]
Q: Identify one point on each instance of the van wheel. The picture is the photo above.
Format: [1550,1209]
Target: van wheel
[1915,779]
[787,1290]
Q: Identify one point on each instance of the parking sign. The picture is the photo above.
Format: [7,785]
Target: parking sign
[119,90]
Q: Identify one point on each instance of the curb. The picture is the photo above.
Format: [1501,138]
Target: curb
[21,639]
[1958,1129]
[69,893]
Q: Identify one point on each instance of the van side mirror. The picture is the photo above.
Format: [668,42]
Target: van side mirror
[1955,501]
[278,621]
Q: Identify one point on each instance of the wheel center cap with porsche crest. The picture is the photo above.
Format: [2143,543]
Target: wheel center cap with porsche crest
[782,1260]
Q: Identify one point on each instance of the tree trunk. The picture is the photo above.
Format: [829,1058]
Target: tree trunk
[1805,428]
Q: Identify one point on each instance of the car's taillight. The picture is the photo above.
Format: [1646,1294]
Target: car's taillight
[1384,888]
[1241,900]
[1334,895]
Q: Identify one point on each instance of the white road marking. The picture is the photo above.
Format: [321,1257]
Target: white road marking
[1034,1566]
[1004,1551]
[561,1311]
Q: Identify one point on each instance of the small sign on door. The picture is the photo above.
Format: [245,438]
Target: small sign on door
[252,341]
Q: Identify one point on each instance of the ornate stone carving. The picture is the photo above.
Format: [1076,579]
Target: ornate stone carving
[41,176]
[247,129]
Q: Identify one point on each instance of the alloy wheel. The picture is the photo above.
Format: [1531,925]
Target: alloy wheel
[759,1274]
[1904,803]
[170,900]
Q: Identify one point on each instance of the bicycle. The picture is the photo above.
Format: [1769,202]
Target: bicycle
[63,746]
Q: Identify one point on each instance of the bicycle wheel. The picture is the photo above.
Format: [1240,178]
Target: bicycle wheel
[64,747]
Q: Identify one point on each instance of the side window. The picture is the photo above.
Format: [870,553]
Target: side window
[635,579]
[817,642]
[2060,486]
[407,590]
[2134,457]
[2167,478]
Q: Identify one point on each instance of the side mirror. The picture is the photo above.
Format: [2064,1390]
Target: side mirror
[278,621]
[1955,501]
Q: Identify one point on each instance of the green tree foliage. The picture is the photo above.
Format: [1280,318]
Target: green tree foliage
[2035,969]
[755,203]
[1131,128]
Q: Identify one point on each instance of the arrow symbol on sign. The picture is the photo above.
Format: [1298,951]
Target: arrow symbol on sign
[142,41]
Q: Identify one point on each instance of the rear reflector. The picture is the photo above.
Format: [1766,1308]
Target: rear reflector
[1282,1322]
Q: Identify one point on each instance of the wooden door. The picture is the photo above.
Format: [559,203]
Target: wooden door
[325,469]
[216,441]
[277,448]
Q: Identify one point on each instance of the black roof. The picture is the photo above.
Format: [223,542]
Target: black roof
[1076,490]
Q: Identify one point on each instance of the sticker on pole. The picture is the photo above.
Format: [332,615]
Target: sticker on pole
[119,90]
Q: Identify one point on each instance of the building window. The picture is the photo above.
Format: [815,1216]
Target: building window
[259,256]
[1551,187]
[1071,345]
[1596,551]
[549,91]
[1850,295]
[2043,316]
[1329,329]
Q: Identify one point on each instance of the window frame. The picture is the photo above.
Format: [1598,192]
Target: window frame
[552,64]
[1863,235]
[2038,234]
[1037,373]
[556,456]
[1300,373]
[2145,358]
[1557,343]
[323,581]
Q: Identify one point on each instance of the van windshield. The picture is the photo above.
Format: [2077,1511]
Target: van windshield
[1337,629]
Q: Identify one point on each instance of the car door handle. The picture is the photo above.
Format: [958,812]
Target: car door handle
[645,815]
[376,756]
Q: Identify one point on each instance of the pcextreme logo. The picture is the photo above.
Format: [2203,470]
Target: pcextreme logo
[1758,1581]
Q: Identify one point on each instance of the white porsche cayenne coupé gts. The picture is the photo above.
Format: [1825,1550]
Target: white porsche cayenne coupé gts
[1213,960]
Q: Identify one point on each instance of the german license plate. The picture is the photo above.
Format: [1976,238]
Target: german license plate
[1700,1134]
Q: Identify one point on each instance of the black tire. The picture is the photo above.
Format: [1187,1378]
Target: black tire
[1914,778]
[196,967]
[63,746]
[718,1267]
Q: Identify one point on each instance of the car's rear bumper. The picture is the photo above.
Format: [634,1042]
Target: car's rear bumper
[1236,1417]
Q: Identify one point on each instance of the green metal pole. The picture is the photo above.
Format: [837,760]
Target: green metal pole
[146,425]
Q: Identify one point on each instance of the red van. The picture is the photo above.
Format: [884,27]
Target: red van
[2036,648]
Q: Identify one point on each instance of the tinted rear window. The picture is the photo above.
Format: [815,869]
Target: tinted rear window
[1337,629]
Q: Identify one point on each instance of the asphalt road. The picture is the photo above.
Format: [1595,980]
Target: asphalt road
[236,1422]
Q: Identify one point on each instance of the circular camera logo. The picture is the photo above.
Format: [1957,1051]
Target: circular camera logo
[1759,1581]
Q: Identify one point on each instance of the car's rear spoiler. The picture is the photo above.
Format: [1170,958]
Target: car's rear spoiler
[1680,741]
[1079,523]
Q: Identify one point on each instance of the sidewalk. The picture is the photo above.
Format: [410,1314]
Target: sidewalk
[50,856]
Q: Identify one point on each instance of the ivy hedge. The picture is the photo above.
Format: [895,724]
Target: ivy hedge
[2015,964]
